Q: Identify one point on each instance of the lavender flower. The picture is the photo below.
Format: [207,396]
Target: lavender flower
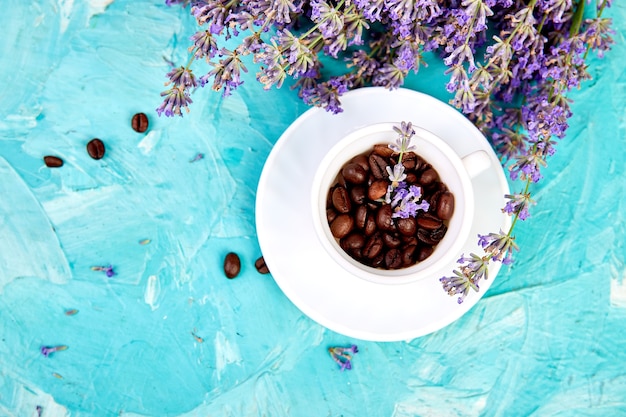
[204,44]
[403,141]
[108,270]
[518,205]
[472,270]
[48,350]
[405,202]
[499,246]
[226,73]
[343,355]
[176,98]
[182,77]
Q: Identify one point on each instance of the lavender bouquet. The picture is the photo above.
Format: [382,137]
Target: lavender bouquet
[511,65]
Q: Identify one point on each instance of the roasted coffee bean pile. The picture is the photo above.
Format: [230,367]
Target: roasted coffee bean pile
[364,226]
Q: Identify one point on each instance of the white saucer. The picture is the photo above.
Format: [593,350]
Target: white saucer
[301,266]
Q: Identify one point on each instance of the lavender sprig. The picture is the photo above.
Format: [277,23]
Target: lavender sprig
[48,350]
[343,355]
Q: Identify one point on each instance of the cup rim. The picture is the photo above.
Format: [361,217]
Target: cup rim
[360,140]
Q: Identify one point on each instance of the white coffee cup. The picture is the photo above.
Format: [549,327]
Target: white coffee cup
[454,171]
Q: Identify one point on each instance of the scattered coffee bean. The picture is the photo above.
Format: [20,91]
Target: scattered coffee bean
[232,265]
[53,161]
[95,148]
[260,266]
[139,122]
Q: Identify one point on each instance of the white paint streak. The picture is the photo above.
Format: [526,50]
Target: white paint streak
[27,397]
[148,142]
[98,6]
[618,291]
[65,11]
[152,292]
[225,353]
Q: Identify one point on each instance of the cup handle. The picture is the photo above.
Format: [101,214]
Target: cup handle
[476,162]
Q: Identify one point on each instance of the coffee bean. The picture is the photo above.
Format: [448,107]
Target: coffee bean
[362,160]
[410,240]
[331,214]
[384,221]
[424,236]
[370,226]
[341,226]
[232,265]
[53,161]
[411,178]
[391,241]
[139,122]
[95,148]
[424,252]
[360,216]
[341,200]
[261,266]
[393,259]
[378,166]
[352,241]
[377,261]
[377,190]
[358,194]
[373,246]
[409,160]
[408,255]
[383,150]
[354,173]
[428,221]
[428,177]
[439,233]
[445,205]
[407,226]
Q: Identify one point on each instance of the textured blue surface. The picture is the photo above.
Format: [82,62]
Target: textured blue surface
[547,339]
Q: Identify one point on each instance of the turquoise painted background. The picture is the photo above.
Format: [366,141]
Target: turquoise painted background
[546,340]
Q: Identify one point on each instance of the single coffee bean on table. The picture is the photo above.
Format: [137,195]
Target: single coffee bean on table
[53,161]
[95,148]
[261,266]
[232,265]
[362,215]
[139,122]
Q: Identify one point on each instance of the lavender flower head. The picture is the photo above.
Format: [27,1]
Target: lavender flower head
[48,350]
[405,201]
[343,355]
